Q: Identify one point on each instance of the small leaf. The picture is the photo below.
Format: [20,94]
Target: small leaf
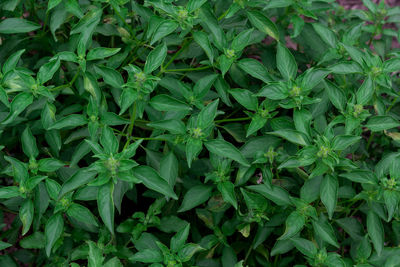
[375,231]
[202,40]
[179,239]
[151,179]
[292,136]
[29,143]
[255,69]
[101,53]
[286,63]
[155,58]
[73,120]
[329,193]
[227,190]
[17,25]
[173,126]
[293,225]
[225,149]
[47,71]
[165,28]
[82,214]
[380,123]
[341,142]
[195,196]
[81,177]
[105,204]
[17,106]
[26,213]
[53,231]
[167,103]
[263,24]
[365,92]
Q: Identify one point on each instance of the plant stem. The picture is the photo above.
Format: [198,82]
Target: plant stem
[130,129]
[188,69]
[236,119]
[68,84]
[183,47]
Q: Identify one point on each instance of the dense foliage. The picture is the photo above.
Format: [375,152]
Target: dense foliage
[199,133]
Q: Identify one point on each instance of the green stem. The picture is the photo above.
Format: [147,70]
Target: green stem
[188,69]
[183,47]
[68,84]
[130,129]
[236,119]
[126,24]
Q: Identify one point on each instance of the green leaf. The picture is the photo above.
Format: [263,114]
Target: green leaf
[380,123]
[274,91]
[391,65]
[193,5]
[255,69]
[109,141]
[82,214]
[286,63]
[9,192]
[336,95]
[263,24]
[276,194]
[52,4]
[95,257]
[33,241]
[17,25]
[105,205]
[110,76]
[245,98]
[292,136]
[341,142]
[165,28]
[179,239]
[202,40]
[195,196]
[188,250]
[346,68]
[257,122]
[193,149]
[147,256]
[329,192]
[17,106]
[325,231]
[101,53]
[155,58]
[26,213]
[241,40]
[326,34]
[360,176]
[167,103]
[46,72]
[12,61]
[53,231]
[225,64]
[29,143]
[81,177]
[151,179]
[169,167]
[293,225]
[225,149]
[4,245]
[375,231]
[203,85]
[365,92]
[70,121]
[306,247]
[173,126]
[227,190]
[207,115]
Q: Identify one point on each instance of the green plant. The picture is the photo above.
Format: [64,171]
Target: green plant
[199,133]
